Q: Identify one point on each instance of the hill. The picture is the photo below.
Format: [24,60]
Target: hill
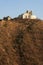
[21,42]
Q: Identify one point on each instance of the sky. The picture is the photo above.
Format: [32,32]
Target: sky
[13,8]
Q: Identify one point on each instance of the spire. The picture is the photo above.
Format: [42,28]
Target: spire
[27,11]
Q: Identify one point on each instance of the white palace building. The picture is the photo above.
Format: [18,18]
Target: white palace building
[27,15]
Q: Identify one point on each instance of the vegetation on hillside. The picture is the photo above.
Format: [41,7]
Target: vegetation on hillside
[21,42]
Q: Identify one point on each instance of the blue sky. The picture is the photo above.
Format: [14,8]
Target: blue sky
[15,7]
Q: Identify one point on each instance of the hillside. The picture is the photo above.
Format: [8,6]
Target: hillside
[21,42]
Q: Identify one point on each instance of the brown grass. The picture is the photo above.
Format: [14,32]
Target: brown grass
[21,42]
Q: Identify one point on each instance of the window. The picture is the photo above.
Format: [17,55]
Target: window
[25,16]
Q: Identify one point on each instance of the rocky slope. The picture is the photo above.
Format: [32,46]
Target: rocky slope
[21,42]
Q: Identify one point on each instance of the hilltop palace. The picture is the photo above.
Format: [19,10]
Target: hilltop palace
[27,15]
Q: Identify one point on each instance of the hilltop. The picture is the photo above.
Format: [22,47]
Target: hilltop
[21,42]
